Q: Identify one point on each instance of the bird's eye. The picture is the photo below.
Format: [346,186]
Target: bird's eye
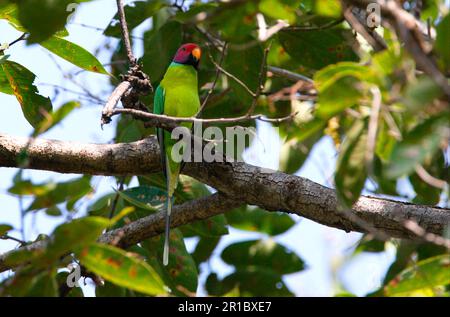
[184,48]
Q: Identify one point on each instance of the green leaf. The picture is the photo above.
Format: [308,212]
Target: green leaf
[351,165]
[110,290]
[44,285]
[9,13]
[5,228]
[74,54]
[368,244]
[43,18]
[211,227]
[280,9]
[385,142]
[146,197]
[420,94]
[250,282]
[194,9]
[56,117]
[259,220]
[53,211]
[70,191]
[181,270]
[246,66]
[328,8]
[26,187]
[421,142]
[121,268]
[160,48]
[262,254]
[34,106]
[426,274]
[317,49]
[136,14]
[204,249]
[5,87]
[340,86]
[27,281]
[442,40]
[76,234]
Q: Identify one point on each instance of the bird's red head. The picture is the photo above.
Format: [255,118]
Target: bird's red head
[188,54]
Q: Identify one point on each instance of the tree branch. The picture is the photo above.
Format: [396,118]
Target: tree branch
[134,83]
[151,225]
[408,31]
[270,190]
[125,32]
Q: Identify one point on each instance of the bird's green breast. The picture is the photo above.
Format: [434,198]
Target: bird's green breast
[180,91]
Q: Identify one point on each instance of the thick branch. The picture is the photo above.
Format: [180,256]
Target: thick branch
[248,184]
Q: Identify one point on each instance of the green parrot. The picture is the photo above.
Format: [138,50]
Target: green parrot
[176,96]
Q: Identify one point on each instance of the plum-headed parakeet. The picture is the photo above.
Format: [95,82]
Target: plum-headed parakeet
[176,96]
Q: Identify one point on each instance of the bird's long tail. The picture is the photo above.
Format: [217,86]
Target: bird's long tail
[167,231]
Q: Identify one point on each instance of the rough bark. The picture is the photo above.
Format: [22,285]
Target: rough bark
[241,182]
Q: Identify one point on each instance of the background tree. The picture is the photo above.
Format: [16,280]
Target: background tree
[313,69]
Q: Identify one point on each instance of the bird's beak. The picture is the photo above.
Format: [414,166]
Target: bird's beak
[197,53]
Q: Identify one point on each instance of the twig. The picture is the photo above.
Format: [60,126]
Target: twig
[409,32]
[134,83]
[8,237]
[430,179]
[356,22]
[118,92]
[240,82]
[170,123]
[116,197]
[262,77]
[21,38]
[288,74]
[313,27]
[125,32]
[210,91]
[415,228]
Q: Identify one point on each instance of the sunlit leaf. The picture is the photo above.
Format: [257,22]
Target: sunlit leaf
[426,274]
[74,54]
[56,117]
[329,8]
[34,106]
[280,9]
[146,197]
[5,228]
[121,268]
[70,191]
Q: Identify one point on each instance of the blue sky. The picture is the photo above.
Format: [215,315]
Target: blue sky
[326,250]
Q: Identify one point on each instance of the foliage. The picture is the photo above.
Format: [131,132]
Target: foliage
[411,131]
